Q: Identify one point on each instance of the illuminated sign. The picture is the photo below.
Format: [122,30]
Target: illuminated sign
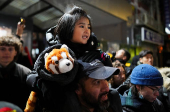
[151,36]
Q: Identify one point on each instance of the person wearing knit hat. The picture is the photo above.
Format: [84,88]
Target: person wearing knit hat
[144,57]
[142,96]
[146,75]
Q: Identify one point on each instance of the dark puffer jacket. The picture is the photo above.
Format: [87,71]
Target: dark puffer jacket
[13,84]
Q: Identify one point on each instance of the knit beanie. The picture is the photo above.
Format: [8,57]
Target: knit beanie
[146,75]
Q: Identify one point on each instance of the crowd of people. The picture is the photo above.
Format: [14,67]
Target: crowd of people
[97,83]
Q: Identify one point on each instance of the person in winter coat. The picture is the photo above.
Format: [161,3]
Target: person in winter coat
[145,57]
[12,75]
[74,29]
[142,96]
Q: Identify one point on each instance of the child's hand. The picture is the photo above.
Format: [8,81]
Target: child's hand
[34,81]
[105,59]
[104,56]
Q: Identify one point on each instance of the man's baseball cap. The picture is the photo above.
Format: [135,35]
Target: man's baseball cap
[145,52]
[97,70]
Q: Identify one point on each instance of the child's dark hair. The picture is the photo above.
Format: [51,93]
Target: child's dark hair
[66,24]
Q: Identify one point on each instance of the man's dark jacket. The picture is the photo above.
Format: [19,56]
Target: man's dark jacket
[13,84]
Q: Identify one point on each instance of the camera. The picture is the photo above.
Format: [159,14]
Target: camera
[22,20]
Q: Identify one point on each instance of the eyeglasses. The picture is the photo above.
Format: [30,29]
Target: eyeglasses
[154,90]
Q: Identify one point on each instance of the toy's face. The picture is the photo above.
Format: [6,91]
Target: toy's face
[60,66]
[59,61]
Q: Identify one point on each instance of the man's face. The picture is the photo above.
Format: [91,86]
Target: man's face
[116,80]
[150,93]
[94,93]
[7,54]
[147,59]
[120,54]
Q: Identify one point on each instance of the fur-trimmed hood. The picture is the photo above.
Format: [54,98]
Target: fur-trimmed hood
[165,72]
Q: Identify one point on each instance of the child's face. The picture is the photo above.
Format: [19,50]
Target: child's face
[81,31]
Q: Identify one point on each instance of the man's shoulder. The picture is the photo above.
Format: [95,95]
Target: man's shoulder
[114,94]
[115,101]
[22,68]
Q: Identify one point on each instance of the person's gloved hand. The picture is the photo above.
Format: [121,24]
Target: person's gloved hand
[105,58]
[51,39]
[34,81]
[97,54]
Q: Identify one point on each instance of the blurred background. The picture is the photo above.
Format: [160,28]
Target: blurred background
[131,24]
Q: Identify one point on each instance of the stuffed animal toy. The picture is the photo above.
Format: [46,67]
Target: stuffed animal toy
[58,61]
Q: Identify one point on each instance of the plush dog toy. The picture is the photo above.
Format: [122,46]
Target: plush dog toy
[58,61]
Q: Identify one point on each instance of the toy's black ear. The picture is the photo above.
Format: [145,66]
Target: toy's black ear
[51,38]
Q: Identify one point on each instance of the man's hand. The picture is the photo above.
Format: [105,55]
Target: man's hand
[20,29]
